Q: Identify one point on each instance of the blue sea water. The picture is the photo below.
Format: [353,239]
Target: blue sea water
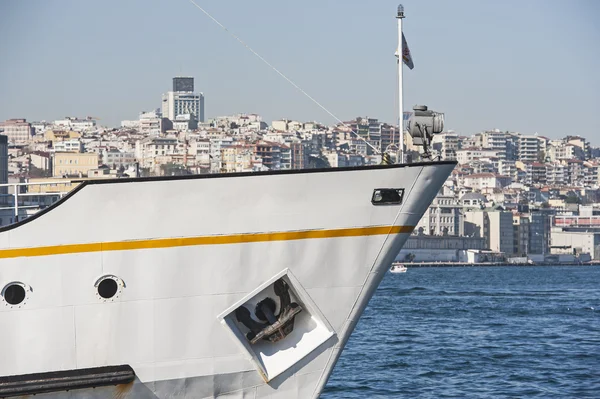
[476,332]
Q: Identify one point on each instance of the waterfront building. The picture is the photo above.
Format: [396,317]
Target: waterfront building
[539,231]
[500,231]
[495,225]
[576,242]
[423,248]
[521,233]
[444,217]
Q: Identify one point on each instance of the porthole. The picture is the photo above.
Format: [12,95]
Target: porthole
[109,287]
[15,294]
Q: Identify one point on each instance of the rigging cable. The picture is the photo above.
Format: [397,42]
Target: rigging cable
[282,75]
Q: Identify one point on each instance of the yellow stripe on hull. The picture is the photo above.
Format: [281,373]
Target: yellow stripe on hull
[202,240]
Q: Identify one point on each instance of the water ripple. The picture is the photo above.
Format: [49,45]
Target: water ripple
[501,332]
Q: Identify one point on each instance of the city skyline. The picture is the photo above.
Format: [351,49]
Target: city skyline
[531,61]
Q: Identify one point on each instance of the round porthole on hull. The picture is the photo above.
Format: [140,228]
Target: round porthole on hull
[15,293]
[109,287]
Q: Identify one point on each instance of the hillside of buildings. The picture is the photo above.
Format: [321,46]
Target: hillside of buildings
[513,197]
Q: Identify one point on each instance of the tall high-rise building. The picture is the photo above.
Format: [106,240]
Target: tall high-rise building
[183,101]
[183,83]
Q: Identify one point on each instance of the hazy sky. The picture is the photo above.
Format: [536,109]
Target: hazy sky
[519,65]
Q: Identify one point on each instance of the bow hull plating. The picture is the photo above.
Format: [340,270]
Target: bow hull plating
[182,256]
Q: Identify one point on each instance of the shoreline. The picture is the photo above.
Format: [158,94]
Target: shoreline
[491,264]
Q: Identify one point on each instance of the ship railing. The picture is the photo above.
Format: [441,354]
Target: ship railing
[11,193]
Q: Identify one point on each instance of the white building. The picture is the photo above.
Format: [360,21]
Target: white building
[575,242]
[496,140]
[18,131]
[443,217]
[562,150]
[480,181]
[467,155]
[73,145]
[556,174]
[152,150]
[184,123]
[76,124]
[130,124]
[530,147]
[116,158]
[242,122]
[496,226]
[152,123]
[447,143]
[40,127]
[507,168]
[176,103]
[473,201]
[201,149]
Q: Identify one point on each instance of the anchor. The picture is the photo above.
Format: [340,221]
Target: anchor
[271,327]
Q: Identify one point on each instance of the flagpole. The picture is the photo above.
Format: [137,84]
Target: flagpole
[400,17]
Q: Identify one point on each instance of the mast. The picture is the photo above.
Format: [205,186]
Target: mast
[401,149]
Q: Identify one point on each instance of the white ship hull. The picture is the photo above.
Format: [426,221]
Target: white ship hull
[186,253]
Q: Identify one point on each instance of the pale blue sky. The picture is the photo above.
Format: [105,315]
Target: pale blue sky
[519,65]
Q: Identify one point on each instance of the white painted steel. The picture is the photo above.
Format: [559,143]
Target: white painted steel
[164,322]
[402,146]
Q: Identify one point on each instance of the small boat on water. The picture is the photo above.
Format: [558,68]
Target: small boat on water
[398,268]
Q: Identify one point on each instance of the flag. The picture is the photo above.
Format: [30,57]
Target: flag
[406,57]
